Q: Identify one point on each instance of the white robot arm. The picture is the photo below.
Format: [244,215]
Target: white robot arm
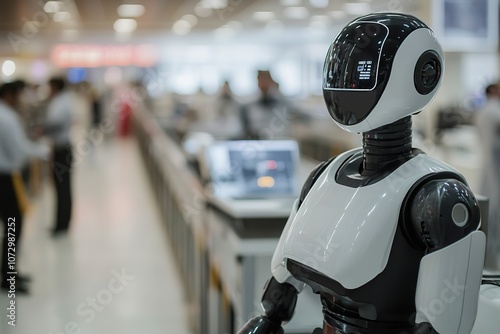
[446,215]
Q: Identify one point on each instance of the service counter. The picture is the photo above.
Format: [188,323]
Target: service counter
[181,199]
[243,235]
[223,247]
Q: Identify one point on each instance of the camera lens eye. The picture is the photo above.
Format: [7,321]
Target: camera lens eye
[429,74]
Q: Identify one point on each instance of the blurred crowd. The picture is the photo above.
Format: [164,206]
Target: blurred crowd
[268,114]
[38,124]
[42,127]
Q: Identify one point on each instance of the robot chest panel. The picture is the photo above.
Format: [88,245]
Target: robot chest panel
[347,233]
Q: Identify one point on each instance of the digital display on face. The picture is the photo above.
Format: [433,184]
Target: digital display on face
[353,58]
[365,69]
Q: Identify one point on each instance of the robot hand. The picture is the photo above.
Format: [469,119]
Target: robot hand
[278,301]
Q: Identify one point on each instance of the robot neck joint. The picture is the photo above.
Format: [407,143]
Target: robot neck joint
[386,145]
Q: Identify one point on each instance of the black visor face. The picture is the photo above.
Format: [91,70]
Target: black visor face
[353,59]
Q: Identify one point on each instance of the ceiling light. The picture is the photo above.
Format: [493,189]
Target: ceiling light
[62,17]
[193,20]
[125,25]
[201,10]
[52,7]
[181,27]
[290,2]
[337,14]
[319,3]
[263,16]
[130,10]
[357,8]
[214,4]
[298,13]
[8,68]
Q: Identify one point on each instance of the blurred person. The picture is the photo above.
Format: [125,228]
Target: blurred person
[60,116]
[201,106]
[268,116]
[224,123]
[96,109]
[15,150]
[226,104]
[488,123]
[21,88]
[227,118]
[22,108]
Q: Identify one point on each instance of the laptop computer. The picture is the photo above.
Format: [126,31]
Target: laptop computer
[253,169]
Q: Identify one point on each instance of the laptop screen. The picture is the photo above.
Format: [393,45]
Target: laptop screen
[253,169]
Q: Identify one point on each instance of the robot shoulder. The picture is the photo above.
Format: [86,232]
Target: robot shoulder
[441,210]
[313,177]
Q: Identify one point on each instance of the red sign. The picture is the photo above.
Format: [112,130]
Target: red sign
[75,55]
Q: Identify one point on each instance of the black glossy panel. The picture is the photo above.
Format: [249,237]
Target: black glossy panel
[352,60]
[260,325]
[432,213]
[351,91]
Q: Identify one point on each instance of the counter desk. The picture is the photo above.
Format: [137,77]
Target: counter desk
[222,247]
[242,236]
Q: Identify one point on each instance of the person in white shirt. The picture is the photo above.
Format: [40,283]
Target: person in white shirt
[488,124]
[60,114]
[15,151]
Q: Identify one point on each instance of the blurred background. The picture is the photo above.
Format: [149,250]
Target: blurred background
[172,214]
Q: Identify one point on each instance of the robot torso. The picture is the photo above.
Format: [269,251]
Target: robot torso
[346,233]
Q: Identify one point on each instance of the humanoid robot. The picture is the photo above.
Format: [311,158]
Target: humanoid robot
[386,235]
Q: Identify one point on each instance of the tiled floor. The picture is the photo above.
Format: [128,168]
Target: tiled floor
[114,272]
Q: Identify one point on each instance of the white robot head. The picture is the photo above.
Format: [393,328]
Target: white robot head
[380,68]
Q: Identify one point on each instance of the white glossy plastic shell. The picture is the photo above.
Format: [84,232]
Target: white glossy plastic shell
[347,233]
[448,285]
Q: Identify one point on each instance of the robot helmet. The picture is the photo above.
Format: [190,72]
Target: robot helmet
[380,68]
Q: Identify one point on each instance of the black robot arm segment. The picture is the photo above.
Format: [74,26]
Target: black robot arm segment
[443,211]
[278,301]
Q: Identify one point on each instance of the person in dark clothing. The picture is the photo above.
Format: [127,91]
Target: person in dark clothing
[269,116]
[58,126]
[96,110]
